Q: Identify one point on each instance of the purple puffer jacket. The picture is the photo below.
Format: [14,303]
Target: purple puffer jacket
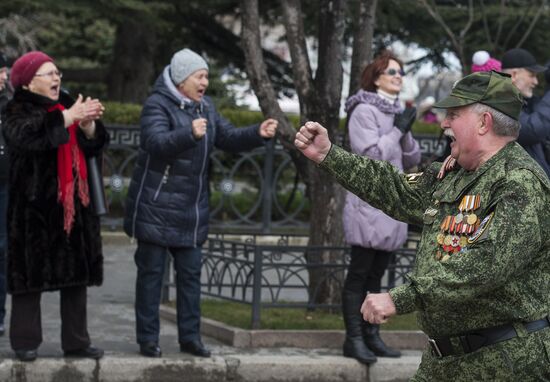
[373,134]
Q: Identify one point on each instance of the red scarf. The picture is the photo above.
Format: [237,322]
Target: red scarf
[69,156]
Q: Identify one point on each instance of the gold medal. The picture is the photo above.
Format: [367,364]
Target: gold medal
[440,238]
[447,240]
[463,241]
[472,219]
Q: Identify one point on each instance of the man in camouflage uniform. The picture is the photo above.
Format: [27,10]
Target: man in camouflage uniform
[481,282]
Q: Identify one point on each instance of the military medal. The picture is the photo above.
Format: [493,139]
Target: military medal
[454,241]
[455,229]
[460,216]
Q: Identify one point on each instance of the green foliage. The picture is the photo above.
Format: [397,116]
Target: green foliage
[122,113]
[125,113]
[505,27]
[239,315]
[77,42]
[426,128]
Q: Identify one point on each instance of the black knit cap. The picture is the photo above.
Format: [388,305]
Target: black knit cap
[520,58]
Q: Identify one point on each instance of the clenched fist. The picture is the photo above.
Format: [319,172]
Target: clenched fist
[268,128]
[199,127]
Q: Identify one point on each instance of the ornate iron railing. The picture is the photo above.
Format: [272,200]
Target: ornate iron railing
[278,275]
[257,191]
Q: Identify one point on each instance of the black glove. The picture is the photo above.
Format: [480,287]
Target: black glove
[405,120]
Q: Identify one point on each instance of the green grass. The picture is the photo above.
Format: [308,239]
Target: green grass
[239,315]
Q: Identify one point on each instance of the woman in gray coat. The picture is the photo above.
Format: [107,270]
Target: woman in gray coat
[379,129]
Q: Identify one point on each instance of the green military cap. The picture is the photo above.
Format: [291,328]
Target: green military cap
[493,89]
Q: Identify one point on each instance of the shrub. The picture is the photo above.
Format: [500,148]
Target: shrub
[122,113]
[128,114]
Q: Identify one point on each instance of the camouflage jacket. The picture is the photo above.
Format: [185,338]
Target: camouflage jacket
[498,270]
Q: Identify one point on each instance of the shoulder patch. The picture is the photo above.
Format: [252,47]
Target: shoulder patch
[479,232]
[413,178]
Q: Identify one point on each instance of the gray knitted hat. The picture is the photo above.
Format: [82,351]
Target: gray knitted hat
[184,63]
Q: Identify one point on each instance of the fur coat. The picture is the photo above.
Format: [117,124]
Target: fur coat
[41,256]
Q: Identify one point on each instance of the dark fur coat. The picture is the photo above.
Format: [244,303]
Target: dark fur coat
[41,256]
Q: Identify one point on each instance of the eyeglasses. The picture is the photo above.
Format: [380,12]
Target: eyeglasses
[50,74]
[393,72]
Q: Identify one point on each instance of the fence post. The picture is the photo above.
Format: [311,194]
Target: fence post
[267,185]
[257,287]
[165,294]
[391,270]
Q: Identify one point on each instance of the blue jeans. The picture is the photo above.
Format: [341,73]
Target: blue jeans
[3,247]
[150,260]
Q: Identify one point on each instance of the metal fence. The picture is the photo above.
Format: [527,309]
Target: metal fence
[254,194]
[264,272]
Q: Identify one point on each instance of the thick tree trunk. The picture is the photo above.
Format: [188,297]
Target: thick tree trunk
[326,195]
[131,73]
[319,101]
[363,31]
[260,82]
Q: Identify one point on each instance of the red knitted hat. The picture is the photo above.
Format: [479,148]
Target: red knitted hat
[25,67]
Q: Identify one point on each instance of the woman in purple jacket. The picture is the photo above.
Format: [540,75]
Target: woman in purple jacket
[379,129]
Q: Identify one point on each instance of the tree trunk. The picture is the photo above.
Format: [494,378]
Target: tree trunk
[320,100]
[363,31]
[131,73]
[326,195]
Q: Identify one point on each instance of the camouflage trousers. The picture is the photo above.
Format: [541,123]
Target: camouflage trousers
[523,358]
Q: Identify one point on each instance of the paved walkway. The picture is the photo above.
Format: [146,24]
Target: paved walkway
[111,327]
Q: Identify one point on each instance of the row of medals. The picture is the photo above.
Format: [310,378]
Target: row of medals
[454,229]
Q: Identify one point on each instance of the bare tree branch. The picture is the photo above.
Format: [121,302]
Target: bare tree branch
[19,34]
[513,30]
[468,24]
[500,22]
[533,22]
[260,82]
[485,23]
[457,43]
[437,17]
[301,69]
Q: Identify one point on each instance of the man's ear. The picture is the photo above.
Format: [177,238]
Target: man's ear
[486,123]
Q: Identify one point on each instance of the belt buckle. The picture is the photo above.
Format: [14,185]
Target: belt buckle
[435,348]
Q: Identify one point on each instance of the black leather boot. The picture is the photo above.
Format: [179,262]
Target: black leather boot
[371,335]
[354,346]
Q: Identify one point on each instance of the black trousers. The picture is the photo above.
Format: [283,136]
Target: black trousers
[365,270]
[26,320]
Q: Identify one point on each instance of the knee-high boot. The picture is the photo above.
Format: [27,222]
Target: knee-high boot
[354,346]
[371,336]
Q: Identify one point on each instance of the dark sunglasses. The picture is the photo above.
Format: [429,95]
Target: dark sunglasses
[393,72]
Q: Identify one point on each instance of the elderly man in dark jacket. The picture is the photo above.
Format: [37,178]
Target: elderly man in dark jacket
[535,114]
[167,204]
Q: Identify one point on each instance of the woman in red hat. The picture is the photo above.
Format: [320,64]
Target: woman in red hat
[54,240]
